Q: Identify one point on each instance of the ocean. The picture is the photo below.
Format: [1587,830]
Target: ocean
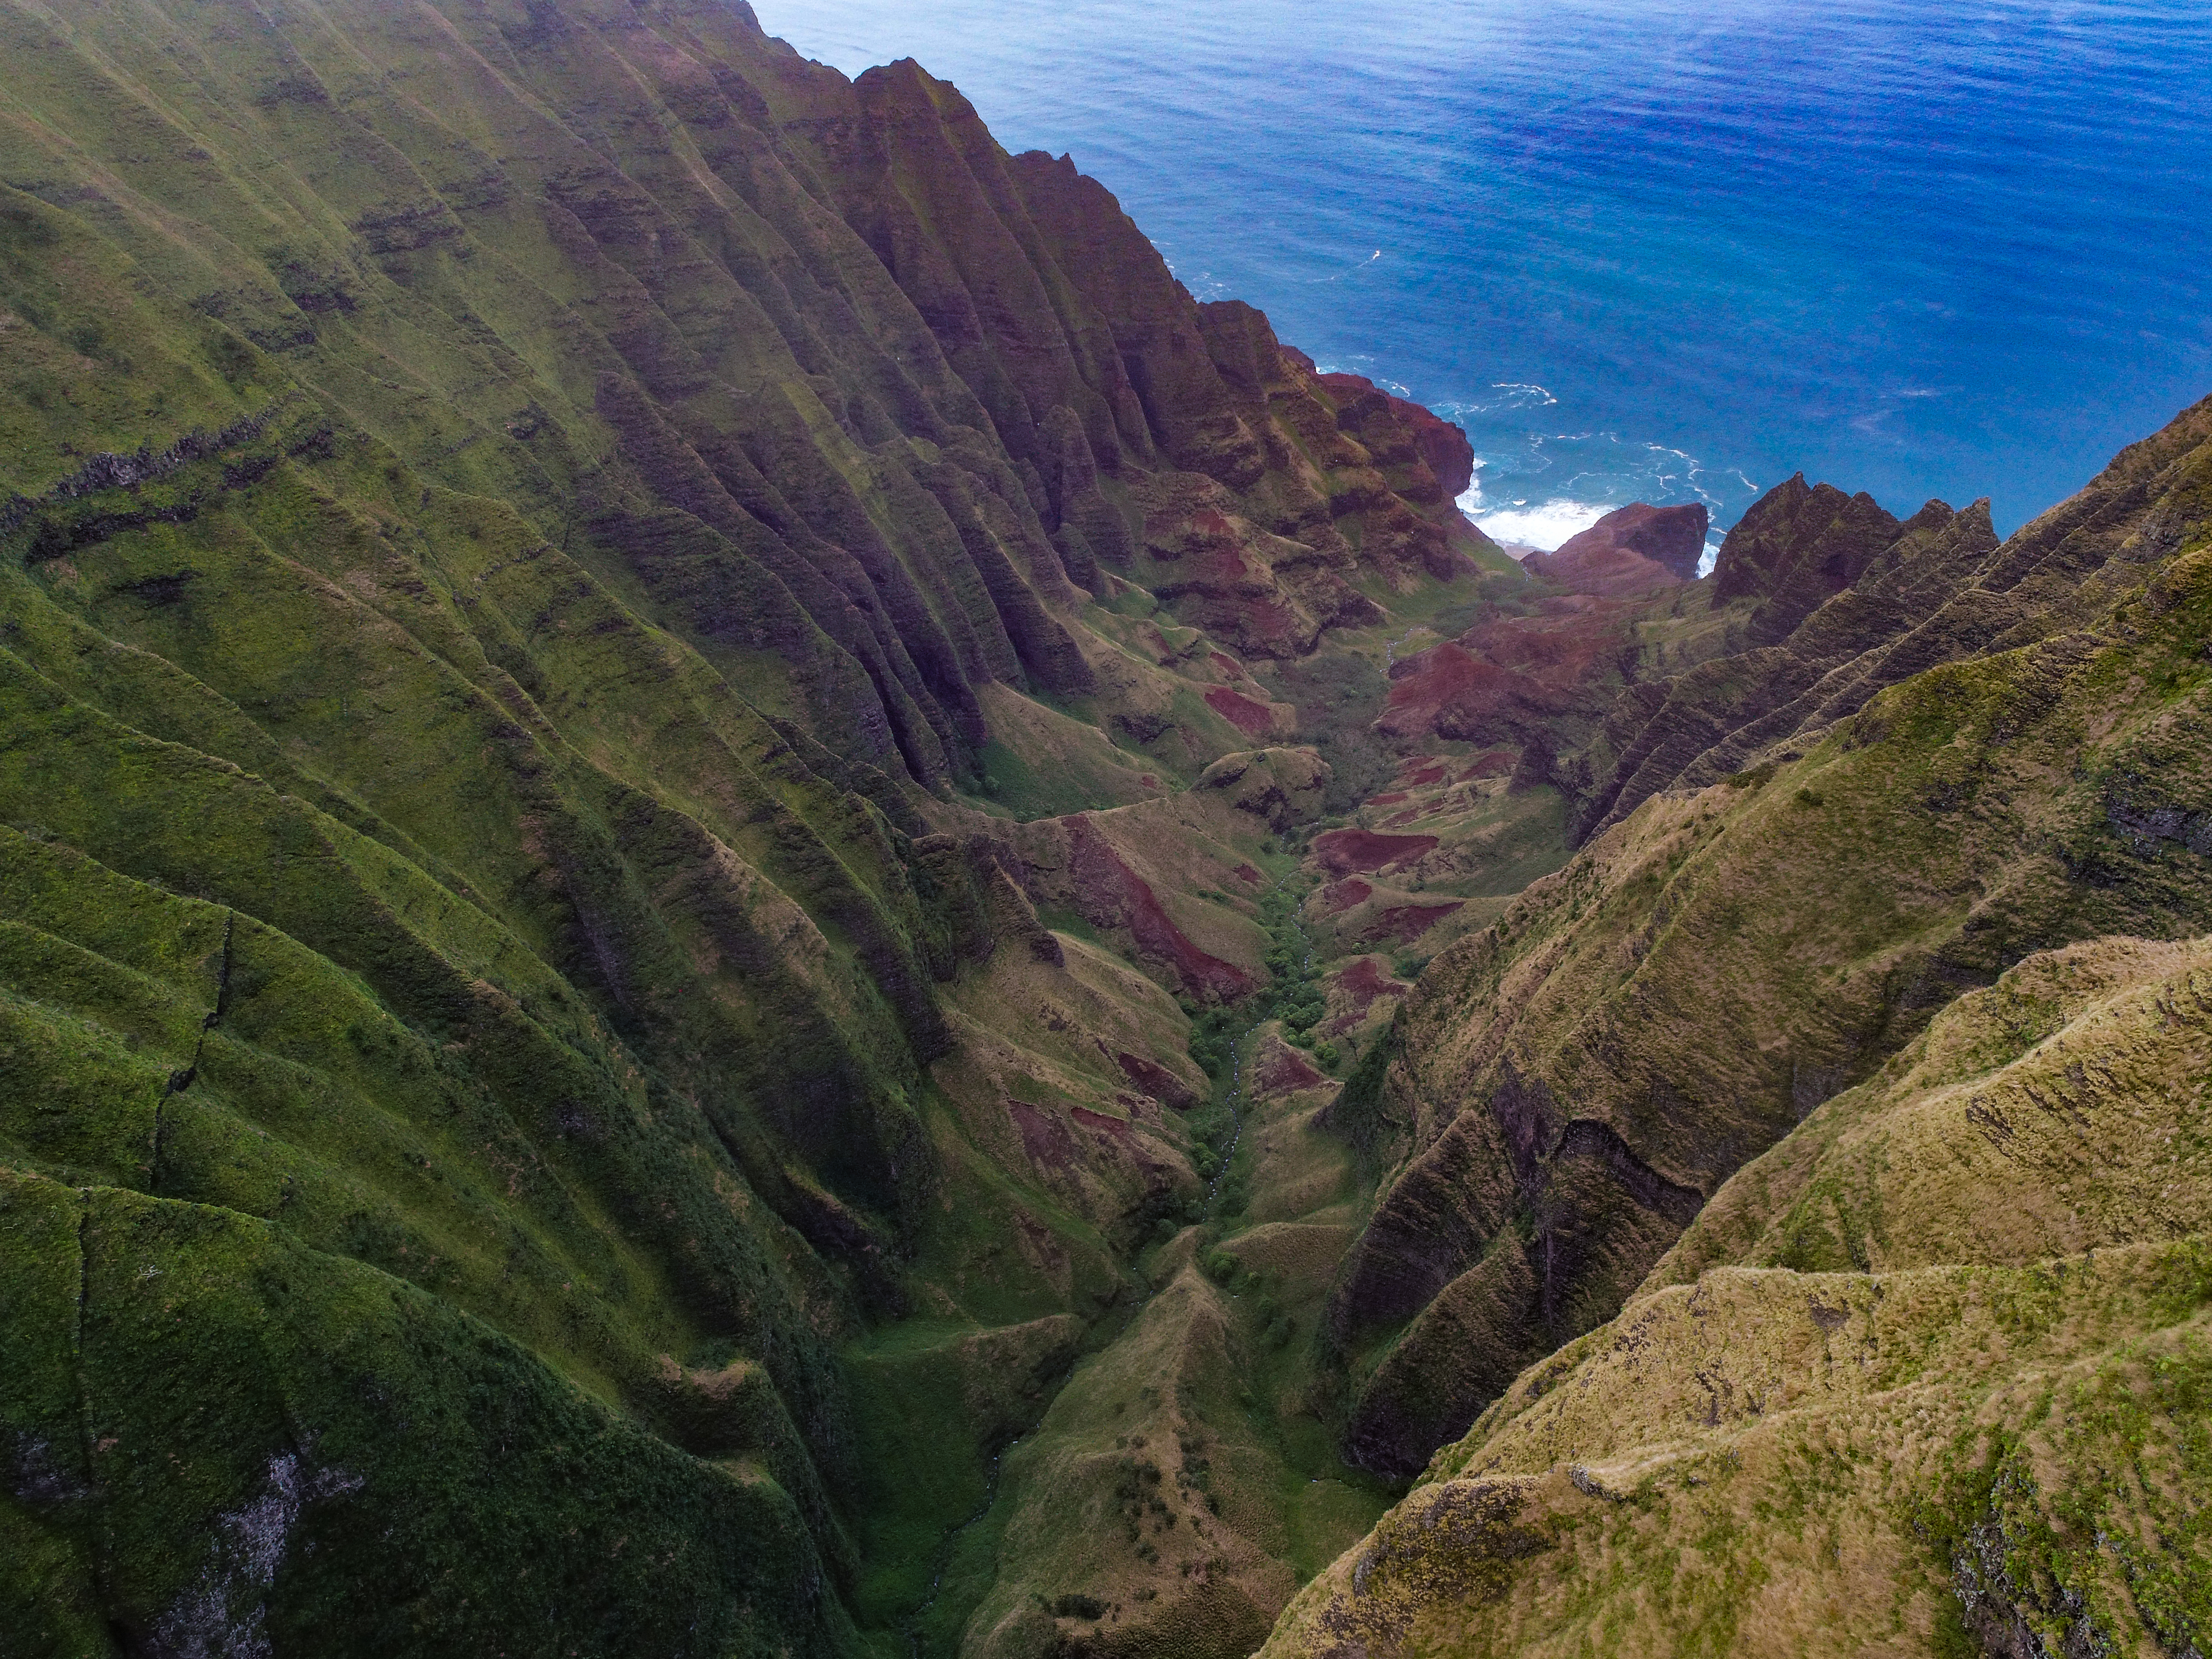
[1656,250]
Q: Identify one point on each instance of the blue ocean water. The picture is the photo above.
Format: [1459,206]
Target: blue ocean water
[1659,250]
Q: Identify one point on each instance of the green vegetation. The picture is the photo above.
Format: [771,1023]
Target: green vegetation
[1360,1114]
[1998,1409]
[528,761]
[1340,693]
[1294,994]
[571,1082]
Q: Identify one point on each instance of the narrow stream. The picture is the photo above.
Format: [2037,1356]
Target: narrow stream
[1238,1103]
[1235,1100]
[950,1540]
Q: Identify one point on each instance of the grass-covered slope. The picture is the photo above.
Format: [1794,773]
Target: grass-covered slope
[545,551]
[863,408]
[1931,1377]
[1574,1083]
[213,1427]
[665,980]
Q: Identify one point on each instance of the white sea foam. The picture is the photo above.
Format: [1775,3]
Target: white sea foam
[1544,526]
[1518,397]
[1588,475]
[1708,561]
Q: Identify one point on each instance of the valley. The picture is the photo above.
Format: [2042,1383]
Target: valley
[752,903]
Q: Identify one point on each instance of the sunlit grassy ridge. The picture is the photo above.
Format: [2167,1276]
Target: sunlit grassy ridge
[1992,1441]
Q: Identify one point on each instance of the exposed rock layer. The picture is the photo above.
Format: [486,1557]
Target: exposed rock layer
[1930,1366]
[1574,1083]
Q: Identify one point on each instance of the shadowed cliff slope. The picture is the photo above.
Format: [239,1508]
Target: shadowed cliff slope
[546,547]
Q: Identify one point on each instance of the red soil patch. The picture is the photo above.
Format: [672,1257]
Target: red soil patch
[1408,922]
[1341,895]
[1044,1137]
[1638,549]
[1283,1068]
[1122,1137]
[1246,872]
[1390,799]
[1492,763]
[1156,1081]
[1253,718]
[1613,572]
[1432,681]
[1360,985]
[1487,685]
[1090,1120]
[1228,666]
[1425,776]
[1109,894]
[1343,851]
[1363,981]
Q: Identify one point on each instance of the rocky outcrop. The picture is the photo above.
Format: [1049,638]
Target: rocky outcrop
[903,393]
[1939,589]
[1634,550]
[1797,547]
[1155,437]
[1281,788]
[1717,718]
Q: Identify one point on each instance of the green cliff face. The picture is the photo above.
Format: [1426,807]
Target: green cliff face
[545,551]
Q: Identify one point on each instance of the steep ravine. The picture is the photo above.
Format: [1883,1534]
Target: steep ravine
[1904,1007]
[750,902]
[1250,1559]
[586,583]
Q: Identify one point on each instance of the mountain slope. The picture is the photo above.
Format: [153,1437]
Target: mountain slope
[699,796]
[1575,1081]
[1928,1378]
[546,550]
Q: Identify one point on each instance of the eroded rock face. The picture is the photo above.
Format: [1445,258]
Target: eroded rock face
[1153,436]
[1281,788]
[1575,1083]
[1798,546]
[1634,550]
[1826,597]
